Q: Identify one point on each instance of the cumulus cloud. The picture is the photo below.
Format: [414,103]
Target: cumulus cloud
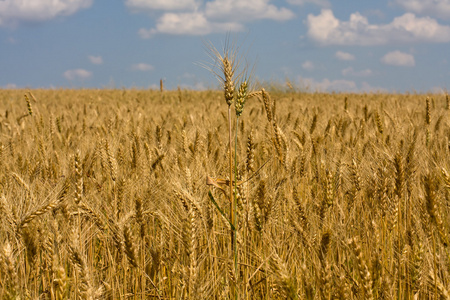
[77,74]
[338,85]
[10,86]
[238,10]
[366,87]
[12,41]
[322,3]
[198,86]
[344,56]
[326,29]
[191,81]
[350,72]
[187,23]
[142,67]
[438,8]
[397,58]
[211,17]
[146,5]
[96,60]
[308,65]
[14,12]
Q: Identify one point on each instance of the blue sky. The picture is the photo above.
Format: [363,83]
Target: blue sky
[354,46]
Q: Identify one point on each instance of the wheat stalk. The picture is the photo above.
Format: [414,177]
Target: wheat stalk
[45,208]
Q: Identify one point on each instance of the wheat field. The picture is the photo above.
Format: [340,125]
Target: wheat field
[125,194]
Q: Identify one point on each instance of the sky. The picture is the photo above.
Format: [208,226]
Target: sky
[318,45]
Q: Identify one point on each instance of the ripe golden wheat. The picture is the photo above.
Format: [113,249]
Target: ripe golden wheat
[338,196]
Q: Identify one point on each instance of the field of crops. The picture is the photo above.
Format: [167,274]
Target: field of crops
[126,194]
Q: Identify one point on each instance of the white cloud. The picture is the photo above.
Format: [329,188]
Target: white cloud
[191,81]
[142,67]
[10,86]
[344,56]
[96,60]
[366,87]
[439,90]
[187,23]
[77,74]
[238,10]
[12,41]
[397,58]
[322,3]
[147,33]
[184,23]
[350,72]
[189,76]
[198,86]
[438,8]
[308,65]
[198,17]
[150,5]
[14,12]
[326,29]
[339,85]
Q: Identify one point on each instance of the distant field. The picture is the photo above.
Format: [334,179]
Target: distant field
[104,195]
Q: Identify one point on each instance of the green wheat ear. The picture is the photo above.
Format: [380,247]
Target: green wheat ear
[30,109]
[241,98]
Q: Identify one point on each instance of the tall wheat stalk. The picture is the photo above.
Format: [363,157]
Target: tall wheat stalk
[227,65]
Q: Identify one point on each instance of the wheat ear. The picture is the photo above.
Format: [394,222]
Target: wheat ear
[45,208]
